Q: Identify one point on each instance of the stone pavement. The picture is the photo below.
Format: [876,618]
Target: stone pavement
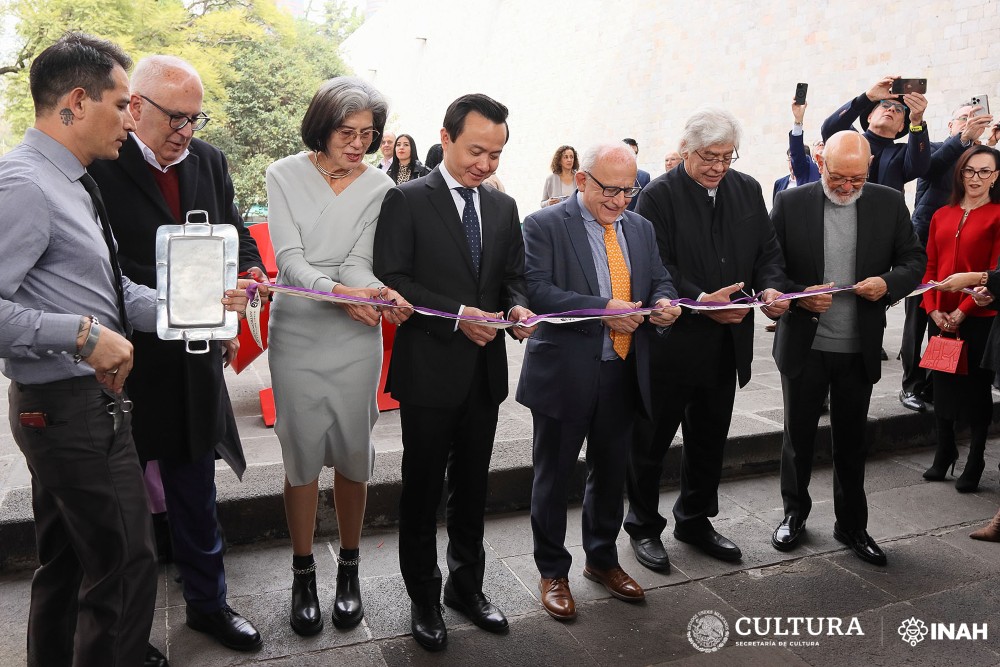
[935,574]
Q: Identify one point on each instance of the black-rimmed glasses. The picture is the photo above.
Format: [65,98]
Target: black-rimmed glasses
[836,180]
[611,191]
[719,159]
[179,121]
[895,106]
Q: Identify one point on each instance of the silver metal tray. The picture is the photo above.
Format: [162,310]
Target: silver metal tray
[195,264]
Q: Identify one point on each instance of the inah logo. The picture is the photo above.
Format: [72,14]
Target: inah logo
[708,631]
[913,631]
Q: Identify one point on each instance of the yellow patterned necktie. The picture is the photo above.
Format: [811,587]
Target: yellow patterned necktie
[621,285]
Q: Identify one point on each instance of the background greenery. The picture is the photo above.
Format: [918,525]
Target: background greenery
[260,66]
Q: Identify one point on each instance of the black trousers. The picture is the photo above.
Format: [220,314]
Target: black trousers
[607,426]
[843,375]
[458,442]
[916,380]
[93,593]
[703,414]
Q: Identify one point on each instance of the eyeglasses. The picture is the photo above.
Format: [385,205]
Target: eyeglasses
[610,191]
[348,135]
[179,121]
[969,173]
[836,181]
[719,159]
[895,106]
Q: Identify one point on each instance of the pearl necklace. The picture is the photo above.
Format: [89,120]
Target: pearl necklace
[327,173]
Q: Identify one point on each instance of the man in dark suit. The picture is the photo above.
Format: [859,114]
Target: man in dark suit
[182,415]
[587,380]
[641,176]
[451,245]
[715,239]
[838,231]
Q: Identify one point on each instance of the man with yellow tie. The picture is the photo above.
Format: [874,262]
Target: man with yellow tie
[588,379]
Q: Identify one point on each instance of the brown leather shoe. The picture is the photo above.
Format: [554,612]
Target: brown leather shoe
[990,532]
[618,583]
[557,599]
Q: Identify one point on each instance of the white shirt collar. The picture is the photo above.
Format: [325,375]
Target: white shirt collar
[451,181]
[150,156]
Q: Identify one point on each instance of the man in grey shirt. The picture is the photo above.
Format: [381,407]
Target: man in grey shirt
[65,310]
[839,231]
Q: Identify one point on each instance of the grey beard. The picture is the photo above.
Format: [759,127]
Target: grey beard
[833,196]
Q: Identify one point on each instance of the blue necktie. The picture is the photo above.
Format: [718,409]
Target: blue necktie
[470,223]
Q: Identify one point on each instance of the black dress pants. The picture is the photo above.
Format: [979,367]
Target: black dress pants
[703,411]
[843,375]
[916,380]
[457,441]
[93,593]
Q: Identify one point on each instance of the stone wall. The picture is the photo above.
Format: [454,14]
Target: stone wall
[584,71]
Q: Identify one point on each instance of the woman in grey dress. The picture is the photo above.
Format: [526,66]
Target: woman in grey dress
[325,359]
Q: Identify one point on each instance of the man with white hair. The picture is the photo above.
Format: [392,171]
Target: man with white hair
[717,242]
[182,417]
[587,380]
[840,231]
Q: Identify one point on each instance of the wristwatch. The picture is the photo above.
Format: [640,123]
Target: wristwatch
[90,344]
[984,278]
[916,128]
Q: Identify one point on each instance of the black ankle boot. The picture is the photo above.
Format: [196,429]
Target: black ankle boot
[347,607]
[969,480]
[946,453]
[306,617]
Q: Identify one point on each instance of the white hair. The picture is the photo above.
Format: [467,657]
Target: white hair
[617,151]
[708,126]
[153,69]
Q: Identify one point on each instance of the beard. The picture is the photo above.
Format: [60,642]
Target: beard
[838,199]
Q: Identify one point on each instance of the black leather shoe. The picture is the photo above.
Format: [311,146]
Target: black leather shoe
[477,608]
[427,626]
[348,609]
[911,401]
[154,658]
[650,553]
[883,355]
[786,536]
[710,542]
[306,618]
[861,544]
[229,628]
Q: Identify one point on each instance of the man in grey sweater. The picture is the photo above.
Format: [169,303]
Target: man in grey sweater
[844,232]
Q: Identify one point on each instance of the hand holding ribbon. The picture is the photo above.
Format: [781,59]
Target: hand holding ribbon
[819,303]
[872,289]
[982,296]
[521,314]
[666,313]
[729,316]
[403,308]
[623,324]
[478,333]
[773,307]
[366,314]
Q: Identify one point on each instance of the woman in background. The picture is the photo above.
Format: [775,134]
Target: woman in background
[405,165]
[561,183]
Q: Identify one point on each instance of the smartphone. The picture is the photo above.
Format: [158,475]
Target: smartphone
[903,86]
[980,101]
[800,92]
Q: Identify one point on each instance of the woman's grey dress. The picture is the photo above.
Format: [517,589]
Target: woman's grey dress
[324,366]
